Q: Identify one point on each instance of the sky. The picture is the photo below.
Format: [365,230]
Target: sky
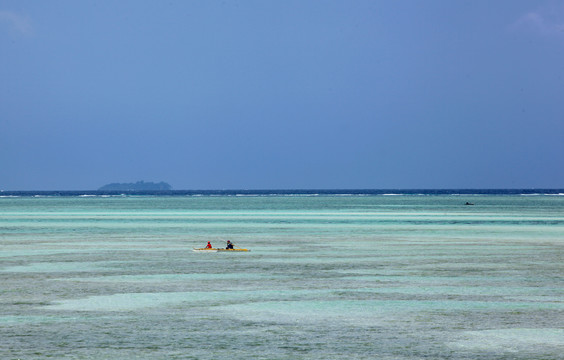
[282,94]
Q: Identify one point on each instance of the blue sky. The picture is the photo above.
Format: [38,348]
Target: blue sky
[282,94]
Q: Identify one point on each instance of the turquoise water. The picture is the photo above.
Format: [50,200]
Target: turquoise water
[328,277]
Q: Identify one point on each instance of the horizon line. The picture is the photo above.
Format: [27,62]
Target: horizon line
[296,190]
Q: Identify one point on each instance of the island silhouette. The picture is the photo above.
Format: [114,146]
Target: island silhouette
[137,186]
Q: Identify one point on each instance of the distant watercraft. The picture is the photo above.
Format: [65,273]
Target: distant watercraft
[216,250]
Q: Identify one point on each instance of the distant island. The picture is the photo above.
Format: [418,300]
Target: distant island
[138,186]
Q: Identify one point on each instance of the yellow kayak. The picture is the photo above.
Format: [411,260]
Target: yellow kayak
[216,250]
[205,250]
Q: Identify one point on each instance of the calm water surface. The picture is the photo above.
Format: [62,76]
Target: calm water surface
[328,277]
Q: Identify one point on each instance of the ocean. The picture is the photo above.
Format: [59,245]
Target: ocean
[330,275]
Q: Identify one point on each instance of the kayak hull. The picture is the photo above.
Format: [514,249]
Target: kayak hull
[216,250]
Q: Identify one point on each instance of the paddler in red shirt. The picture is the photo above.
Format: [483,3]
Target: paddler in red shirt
[208,246]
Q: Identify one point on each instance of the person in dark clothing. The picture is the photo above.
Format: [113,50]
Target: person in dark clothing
[229,245]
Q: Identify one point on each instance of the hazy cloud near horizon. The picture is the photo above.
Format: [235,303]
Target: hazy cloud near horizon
[547,20]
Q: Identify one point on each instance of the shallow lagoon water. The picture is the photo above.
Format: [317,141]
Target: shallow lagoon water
[328,277]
